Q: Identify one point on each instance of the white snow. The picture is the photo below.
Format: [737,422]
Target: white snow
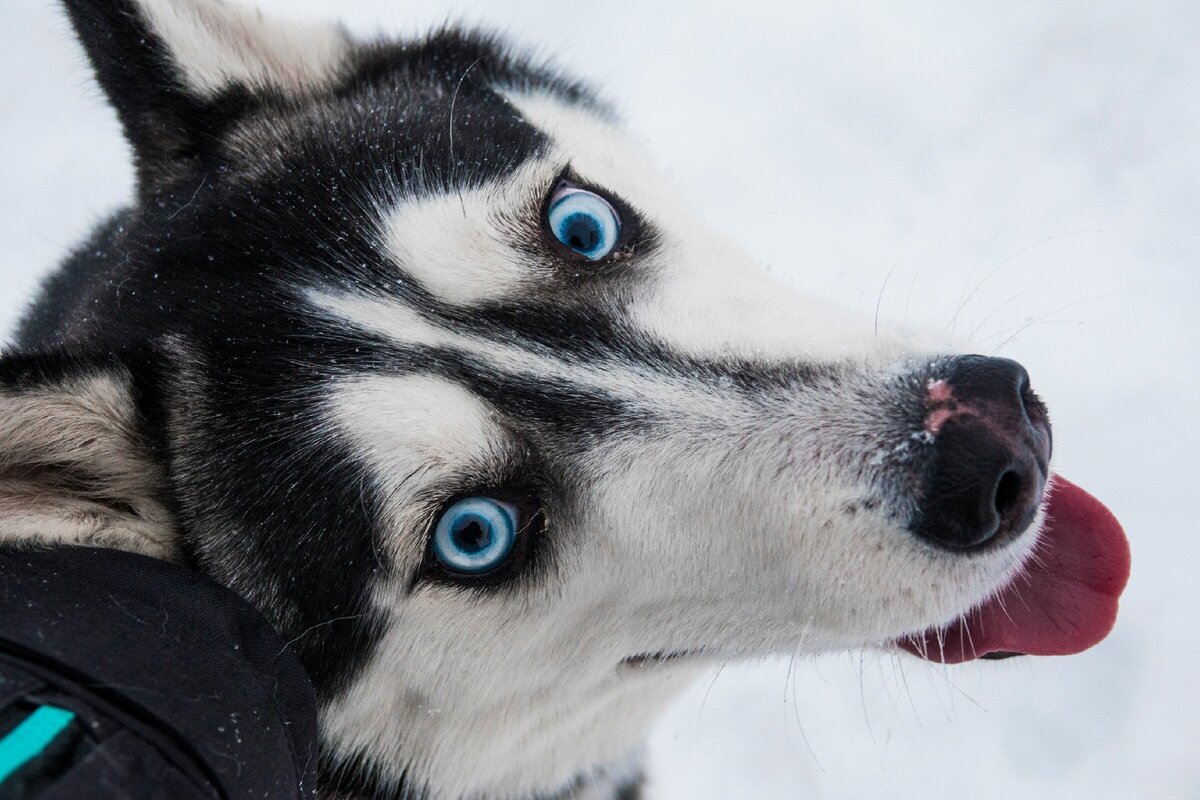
[1028,172]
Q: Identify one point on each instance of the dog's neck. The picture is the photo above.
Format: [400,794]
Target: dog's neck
[624,782]
[537,730]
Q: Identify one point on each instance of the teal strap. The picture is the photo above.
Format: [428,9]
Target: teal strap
[27,741]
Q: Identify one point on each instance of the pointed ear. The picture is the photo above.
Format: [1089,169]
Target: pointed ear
[76,464]
[177,70]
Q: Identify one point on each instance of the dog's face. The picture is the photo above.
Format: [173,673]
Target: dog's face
[417,352]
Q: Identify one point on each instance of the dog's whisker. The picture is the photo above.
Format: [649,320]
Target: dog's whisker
[317,626]
[963,296]
[791,679]
[882,289]
[1001,306]
[963,303]
[912,284]
[1045,318]
[899,662]
[704,701]
[453,164]
[406,343]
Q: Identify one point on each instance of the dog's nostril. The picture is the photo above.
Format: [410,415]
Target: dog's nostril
[1008,492]
[976,491]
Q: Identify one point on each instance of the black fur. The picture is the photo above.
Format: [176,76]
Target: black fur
[193,291]
[168,128]
[246,199]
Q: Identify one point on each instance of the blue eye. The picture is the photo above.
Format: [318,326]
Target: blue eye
[475,535]
[584,221]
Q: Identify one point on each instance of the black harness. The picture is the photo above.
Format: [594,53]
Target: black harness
[125,676]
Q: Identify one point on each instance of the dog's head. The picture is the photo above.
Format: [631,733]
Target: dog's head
[410,345]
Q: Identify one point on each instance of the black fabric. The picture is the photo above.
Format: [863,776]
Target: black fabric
[182,690]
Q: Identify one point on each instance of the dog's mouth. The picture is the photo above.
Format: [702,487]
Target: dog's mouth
[642,660]
[1063,601]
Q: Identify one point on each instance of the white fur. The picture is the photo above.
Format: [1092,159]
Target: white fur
[720,529]
[399,426]
[459,246]
[679,537]
[216,44]
[83,431]
[733,526]
[709,297]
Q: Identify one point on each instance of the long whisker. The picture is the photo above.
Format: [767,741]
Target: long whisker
[963,304]
[862,696]
[1045,317]
[453,101]
[963,295]
[704,702]
[1006,303]
[882,289]
[912,285]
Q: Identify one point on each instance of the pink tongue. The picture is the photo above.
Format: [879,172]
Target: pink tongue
[1063,601]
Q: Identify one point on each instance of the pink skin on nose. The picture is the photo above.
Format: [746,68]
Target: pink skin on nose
[941,404]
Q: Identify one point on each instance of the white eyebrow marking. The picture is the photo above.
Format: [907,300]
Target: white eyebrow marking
[630,381]
[459,246]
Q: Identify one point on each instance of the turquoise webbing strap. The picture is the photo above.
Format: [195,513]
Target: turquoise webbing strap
[29,739]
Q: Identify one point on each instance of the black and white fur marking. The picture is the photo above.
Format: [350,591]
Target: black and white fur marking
[335,307]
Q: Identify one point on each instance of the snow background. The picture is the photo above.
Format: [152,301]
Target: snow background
[1036,163]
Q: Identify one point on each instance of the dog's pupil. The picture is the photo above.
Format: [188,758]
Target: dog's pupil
[472,537]
[582,233]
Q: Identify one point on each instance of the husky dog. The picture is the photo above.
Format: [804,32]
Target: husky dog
[407,343]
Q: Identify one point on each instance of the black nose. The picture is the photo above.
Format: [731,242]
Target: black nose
[990,453]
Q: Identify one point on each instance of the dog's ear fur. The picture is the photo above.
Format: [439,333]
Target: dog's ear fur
[178,71]
[76,465]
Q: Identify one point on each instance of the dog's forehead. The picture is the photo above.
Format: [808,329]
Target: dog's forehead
[464,241]
[600,150]
[697,291]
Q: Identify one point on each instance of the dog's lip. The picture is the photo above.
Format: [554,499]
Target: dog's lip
[642,660]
